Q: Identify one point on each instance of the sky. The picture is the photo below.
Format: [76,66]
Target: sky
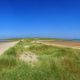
[40,18]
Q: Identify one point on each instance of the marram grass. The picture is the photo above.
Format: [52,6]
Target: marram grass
[54,63]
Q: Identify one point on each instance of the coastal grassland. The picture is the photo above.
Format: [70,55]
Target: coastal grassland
[54,63]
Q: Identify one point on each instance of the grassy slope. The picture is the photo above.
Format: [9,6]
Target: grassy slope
[54,63]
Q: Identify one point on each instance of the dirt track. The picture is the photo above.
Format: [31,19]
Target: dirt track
[5,46]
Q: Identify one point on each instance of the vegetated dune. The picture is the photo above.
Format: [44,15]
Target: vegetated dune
[6,45]
[29,60]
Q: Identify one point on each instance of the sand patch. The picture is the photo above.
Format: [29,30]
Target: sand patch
[27,46]
[29,58]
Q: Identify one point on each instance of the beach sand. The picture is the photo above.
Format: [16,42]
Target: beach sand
[68,44]
[6,45]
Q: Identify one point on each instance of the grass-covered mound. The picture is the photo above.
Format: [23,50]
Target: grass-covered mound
[54,63]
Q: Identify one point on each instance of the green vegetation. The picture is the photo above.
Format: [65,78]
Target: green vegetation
[54,63]
[14,39]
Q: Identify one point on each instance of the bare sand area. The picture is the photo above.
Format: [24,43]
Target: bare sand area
[71,44]
[6,45]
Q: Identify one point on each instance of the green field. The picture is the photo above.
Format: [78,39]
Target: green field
[54,63]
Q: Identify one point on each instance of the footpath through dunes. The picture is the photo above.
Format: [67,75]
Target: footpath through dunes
[6,45]
[68,44]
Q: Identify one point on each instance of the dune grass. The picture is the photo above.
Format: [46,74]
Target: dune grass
[54,63]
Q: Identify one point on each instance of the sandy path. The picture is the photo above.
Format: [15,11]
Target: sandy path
[6,45]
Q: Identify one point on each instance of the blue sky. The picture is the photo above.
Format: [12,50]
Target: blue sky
[40,18]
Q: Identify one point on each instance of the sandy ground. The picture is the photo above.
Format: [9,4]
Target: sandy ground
[29,58]
[6,45]
[69,44]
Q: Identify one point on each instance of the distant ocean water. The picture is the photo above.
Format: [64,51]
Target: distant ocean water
[4,40]
[75,40]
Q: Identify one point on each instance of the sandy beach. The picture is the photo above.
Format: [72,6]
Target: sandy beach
[69,44]
[6,45]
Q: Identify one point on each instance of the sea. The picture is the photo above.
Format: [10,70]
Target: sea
[75,40]
[4,40]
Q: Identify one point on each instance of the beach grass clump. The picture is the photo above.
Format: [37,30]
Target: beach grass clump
[7,62]
[25,72]
[42,49]
[11,51]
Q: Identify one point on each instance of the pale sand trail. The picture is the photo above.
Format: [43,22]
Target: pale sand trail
[6,45]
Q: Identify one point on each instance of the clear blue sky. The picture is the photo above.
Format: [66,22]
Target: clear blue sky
[40,18]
